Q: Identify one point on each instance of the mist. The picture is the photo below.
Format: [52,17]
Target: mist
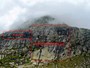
[74,13]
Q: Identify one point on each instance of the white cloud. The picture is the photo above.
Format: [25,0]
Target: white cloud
[31,2]
[6,5]
[76,11]
[8,19]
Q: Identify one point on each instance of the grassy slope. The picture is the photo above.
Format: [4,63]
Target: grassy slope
[74,62]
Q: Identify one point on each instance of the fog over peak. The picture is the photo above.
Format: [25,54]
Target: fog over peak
[72,12]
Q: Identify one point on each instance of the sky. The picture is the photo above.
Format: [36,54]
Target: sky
[72,12]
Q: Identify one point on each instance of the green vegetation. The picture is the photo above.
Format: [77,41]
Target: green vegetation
[74,62]
[14,60]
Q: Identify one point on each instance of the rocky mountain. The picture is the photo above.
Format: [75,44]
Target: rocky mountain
[44,45]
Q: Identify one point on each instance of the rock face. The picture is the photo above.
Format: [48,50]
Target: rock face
[76,42]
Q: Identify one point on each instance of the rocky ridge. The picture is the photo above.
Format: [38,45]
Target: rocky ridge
[76,42]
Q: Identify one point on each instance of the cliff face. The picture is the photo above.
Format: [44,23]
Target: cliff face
[76,41]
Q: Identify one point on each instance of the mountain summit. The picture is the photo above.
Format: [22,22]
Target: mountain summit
[49,44]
